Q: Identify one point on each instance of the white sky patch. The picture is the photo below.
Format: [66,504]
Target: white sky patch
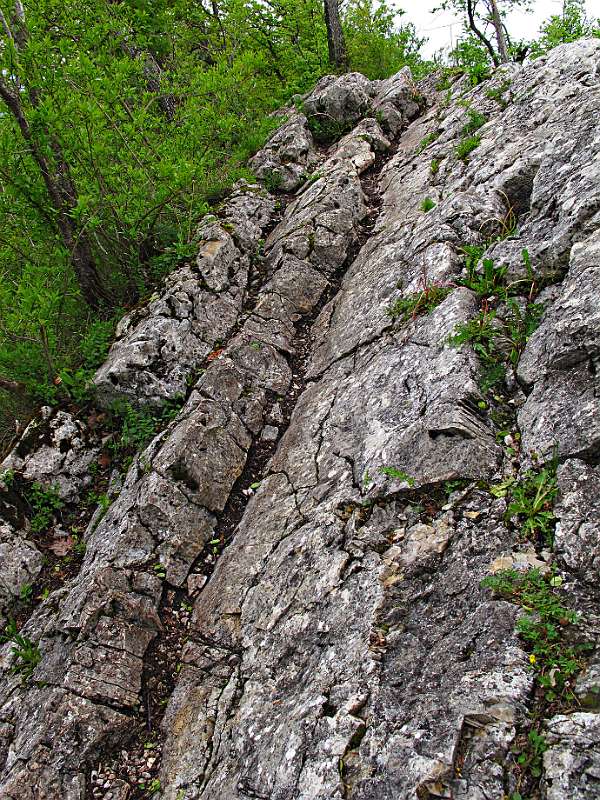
[443,28]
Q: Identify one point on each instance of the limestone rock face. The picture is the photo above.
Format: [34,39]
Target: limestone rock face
[161,345]
[284,599]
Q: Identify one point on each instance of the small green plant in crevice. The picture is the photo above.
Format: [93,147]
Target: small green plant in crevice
[542,628]
[466,146]
[26,654]
[45,501]
[26,593]
[8,477]
[427,140]
[397,474]
[326,129]
[476,120]
[272,180]
[498,93]
[483,276]
[138,426]
[434,166]
[531,502]
[314,177]
[99,499]
[427,205]
[530,756]
[498,341]
[417,303]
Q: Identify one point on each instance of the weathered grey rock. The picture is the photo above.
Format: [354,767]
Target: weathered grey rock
[160,346]
[289,157]
[561,363]
[94,636]
[396,101]
[21,564]
[344,100]
[54,450]
[572,761]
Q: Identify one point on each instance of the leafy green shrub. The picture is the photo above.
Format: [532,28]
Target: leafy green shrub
[397,474]
[487,280]
[427,140]
[45,502]
[476,120]
[542,628]
[138,426]
[531,502]
[472,58]
[466,146]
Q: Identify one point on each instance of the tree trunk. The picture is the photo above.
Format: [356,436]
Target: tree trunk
[54,171]
[480,35]
[335,35]
[500,37]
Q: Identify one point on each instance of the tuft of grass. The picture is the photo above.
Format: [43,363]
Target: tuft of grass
[531,502]
[476,120]
[422,302]
[434,166]
[427,205]
[26,654]
[466,146]
[427,140]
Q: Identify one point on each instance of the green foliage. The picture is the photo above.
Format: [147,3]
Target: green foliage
[397,474]
[471,57]
[569,26]
[531,500]
[8,477]
[26,592]
[377,45]
[272,180]
[498,93]
[498,342]
[427,205]
[427,140]
[422,302]
[434,166]
[542,628]
[45,501]
[138,426]
[25,653]
[531,758]
[476,120]
[156,108]
[486,280]
[466,146]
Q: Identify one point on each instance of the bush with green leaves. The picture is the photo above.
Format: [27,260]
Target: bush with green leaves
[570,25]
[45,502]
[26,654]
[466,146]
[531,502]
[542,628]
[149,111]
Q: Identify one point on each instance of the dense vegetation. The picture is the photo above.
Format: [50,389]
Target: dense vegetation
[121,123]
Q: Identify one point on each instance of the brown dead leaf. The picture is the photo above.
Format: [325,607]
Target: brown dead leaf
[62,545]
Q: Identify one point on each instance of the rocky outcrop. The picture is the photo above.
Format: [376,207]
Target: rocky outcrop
[348,466]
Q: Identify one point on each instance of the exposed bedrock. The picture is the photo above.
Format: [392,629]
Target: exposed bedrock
[342,647]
